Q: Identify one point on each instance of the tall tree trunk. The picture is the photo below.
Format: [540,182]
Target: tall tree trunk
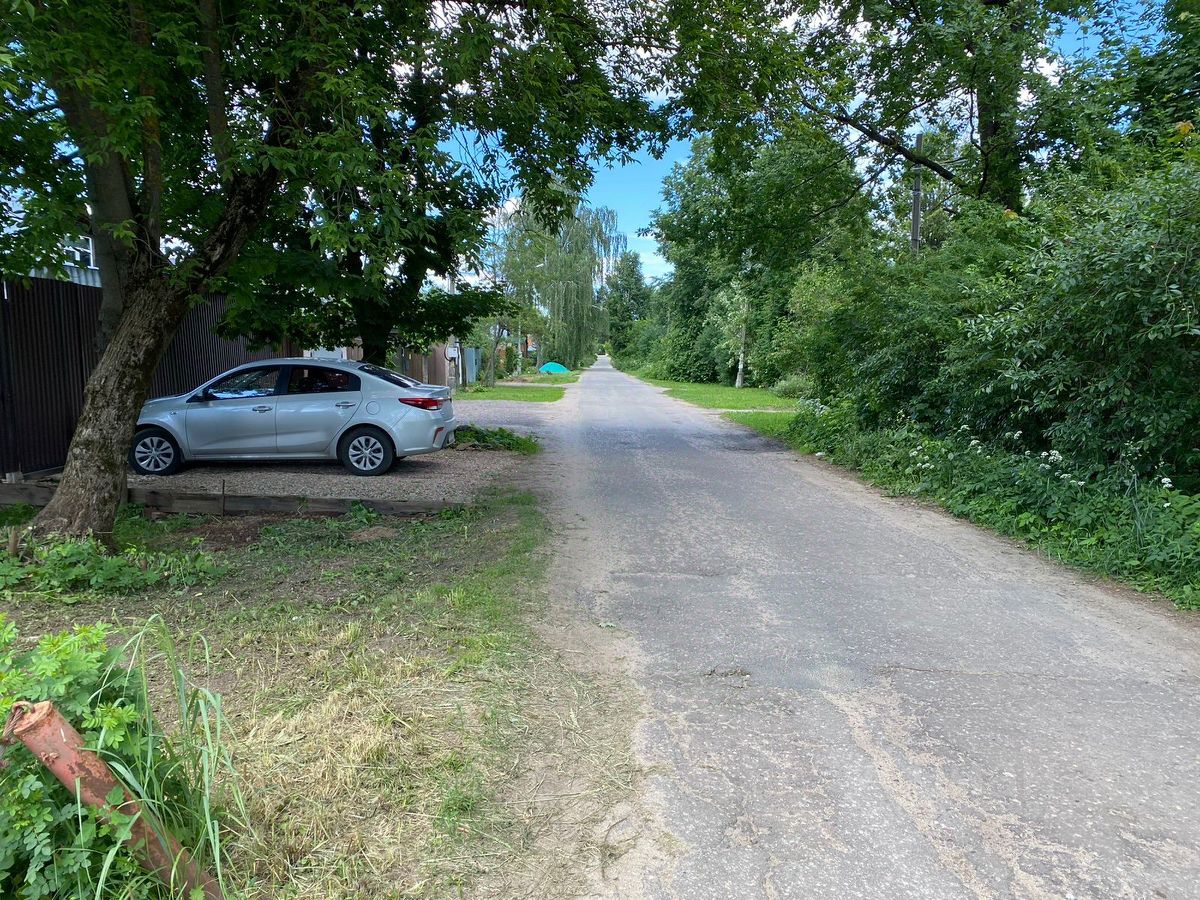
[154,302]
[998,91]
[374,323]
[741,370]
[93,482]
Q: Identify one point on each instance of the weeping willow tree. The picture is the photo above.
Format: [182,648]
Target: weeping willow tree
[558,270]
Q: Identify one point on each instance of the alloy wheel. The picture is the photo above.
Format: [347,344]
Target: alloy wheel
[365,452]
[154,453]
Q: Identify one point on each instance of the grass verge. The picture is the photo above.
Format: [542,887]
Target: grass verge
[1145,534]
[545,378]
[477,438]
[528,394]
[383,693]
[722,396]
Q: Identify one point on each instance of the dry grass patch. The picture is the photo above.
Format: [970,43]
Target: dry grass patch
[396,728]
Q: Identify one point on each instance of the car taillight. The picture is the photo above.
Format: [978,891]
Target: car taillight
[422,402]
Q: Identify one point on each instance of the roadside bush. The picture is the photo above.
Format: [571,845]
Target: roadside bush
[51,846]
[1103,345]
[795,386]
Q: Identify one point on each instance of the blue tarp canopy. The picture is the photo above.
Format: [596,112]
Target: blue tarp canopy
[553,368]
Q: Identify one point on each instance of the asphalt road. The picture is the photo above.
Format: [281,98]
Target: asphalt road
[852,696]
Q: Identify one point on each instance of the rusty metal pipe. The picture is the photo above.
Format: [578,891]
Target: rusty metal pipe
[59,747]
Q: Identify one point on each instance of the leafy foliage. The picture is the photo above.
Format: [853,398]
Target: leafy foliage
[67,569]
[557,269]
[50,844]
[626,299]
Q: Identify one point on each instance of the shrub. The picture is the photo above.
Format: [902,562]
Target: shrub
[68,567]
[1103,344]
[50,844]
[795,386]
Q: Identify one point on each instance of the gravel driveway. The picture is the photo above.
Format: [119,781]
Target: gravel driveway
[456,476]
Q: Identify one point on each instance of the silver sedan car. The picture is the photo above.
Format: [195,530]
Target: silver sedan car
[364,415]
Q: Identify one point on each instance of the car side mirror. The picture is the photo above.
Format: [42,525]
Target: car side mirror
[202,396]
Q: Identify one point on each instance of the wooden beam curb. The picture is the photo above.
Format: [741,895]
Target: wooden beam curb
[211,504]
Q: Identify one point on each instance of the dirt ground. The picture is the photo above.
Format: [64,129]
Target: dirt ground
[456,476]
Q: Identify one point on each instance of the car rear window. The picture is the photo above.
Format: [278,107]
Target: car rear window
[388,375]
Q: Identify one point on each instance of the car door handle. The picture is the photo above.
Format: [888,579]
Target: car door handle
[345,404]
[261,408]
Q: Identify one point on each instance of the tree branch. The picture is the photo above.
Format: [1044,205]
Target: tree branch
[214,83]
[152,171]
[111,198]
[895,144]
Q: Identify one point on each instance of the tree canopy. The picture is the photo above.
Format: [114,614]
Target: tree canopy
[297,153]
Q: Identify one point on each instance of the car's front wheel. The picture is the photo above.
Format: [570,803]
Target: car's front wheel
[155,452]
[366,451]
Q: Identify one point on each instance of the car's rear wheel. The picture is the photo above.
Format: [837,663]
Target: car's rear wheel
[155,452]
[366,451]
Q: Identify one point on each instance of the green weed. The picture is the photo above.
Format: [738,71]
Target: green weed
[51,845]
[69,570]
[496,439]
[17,514]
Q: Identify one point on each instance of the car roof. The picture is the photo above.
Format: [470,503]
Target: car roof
[349,364]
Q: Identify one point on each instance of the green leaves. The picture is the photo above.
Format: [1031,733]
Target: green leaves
[69,569]
[50,844]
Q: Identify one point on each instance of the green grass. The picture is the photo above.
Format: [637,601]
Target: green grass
[495,439]
[17,514]
[526,394]
[772,424]
[1147,536]
[545,378]
[369,663]
[721,396]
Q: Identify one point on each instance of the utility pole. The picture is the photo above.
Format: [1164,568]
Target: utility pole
[915,240]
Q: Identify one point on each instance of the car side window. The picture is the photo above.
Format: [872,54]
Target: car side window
[319,380]
[246,383]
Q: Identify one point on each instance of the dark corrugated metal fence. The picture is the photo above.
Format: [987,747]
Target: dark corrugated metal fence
[47,352]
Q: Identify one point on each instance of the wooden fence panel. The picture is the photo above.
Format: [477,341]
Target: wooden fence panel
[47,352]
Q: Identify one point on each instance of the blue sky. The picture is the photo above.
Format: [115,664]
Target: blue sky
[634,192]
